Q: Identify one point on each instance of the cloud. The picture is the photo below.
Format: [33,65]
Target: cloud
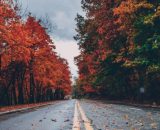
[59,18]
[68,49]
[62,13]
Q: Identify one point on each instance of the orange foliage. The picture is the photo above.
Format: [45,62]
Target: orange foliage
[27,57]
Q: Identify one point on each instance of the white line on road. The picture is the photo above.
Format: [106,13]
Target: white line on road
[76,123]
[87,123]
[135,109]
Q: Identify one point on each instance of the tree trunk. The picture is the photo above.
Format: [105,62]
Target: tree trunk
[32,84]
[20,88]
[14,92]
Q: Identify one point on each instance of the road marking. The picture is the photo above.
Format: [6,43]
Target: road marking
[135,109]
[87,123]
[76,123]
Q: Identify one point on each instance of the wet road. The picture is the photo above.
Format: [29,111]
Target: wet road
[53,117]
[120,117]
[83,115]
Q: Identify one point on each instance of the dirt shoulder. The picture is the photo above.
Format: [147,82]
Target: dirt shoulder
[129,103]
[16,108]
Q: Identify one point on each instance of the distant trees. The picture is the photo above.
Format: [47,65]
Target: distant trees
[30,70]
[120,48]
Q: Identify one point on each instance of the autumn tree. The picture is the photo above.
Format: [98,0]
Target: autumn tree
[118,41]
[142,30]
[30,70]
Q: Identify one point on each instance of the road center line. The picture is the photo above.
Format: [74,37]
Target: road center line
[87,123]
[76,123]
[136,109]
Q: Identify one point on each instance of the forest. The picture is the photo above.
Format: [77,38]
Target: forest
[30,69]
[120,50]
[119,41]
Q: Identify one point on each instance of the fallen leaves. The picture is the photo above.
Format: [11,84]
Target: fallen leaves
[66,120]
[126,117]
[40,120]
[54,120]
[17,107]
[153,125]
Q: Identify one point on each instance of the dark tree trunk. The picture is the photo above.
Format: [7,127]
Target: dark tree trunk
[21,69]
[0,64]
[32,84]
[32,88]
[14,92]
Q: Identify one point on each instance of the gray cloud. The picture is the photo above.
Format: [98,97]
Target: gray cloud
[61,12]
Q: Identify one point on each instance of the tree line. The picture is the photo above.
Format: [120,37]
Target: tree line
[120,49]
[30,69]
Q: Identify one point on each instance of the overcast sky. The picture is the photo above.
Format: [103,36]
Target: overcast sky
[62,14]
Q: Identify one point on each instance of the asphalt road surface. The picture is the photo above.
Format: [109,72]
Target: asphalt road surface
[82,115]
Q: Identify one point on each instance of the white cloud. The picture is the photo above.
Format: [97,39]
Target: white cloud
[68,49]
[62,20]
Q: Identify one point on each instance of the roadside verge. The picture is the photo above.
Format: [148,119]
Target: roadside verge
[19,108]
[154,106]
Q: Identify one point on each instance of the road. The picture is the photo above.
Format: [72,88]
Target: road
[82,115]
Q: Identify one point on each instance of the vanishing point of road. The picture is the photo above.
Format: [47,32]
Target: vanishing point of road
[82,115]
